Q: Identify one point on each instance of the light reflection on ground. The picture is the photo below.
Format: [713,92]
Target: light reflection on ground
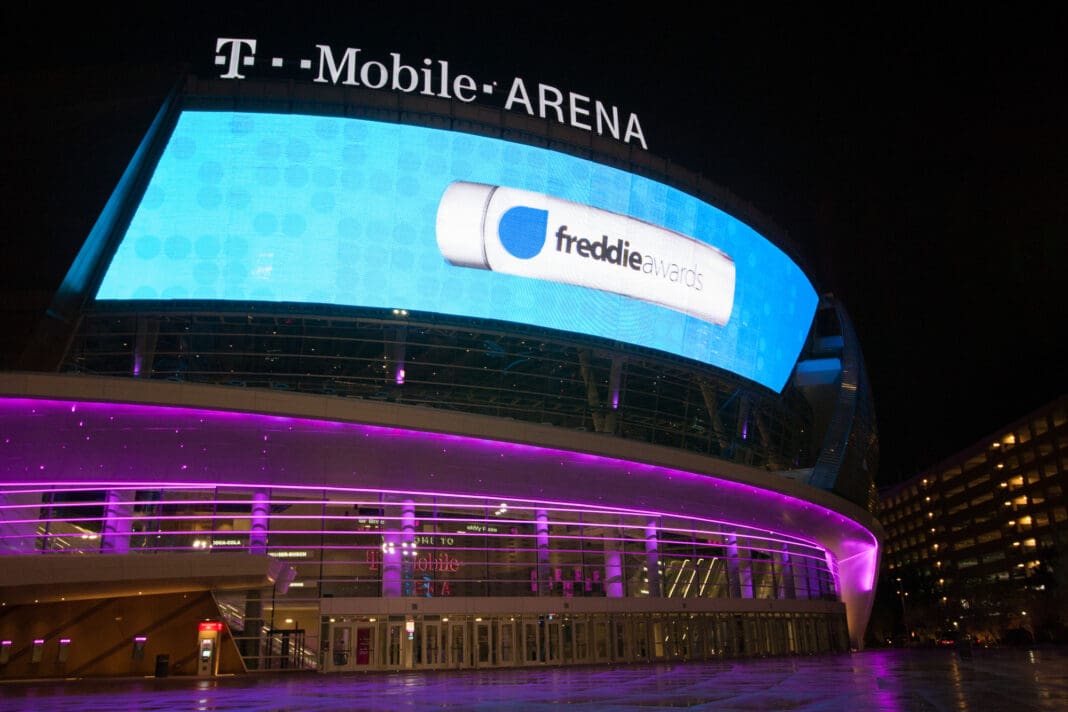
[899,680]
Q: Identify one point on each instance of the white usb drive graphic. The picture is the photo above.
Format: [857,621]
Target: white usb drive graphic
[529,234]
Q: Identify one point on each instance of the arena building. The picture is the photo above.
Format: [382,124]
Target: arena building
[356,379]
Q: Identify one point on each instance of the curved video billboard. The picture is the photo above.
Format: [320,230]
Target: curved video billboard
[329,210]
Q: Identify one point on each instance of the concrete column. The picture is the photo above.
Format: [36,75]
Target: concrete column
[400,354]
[815,590]
[613,568]
[615,379]
[745,569]
[391,564]
[408,547]
[734,585]
[541,519]
[799,564]
[397,547]
[117,522]
[786,577]
[144,347]
[857,574]
[652,559]
[261,510]
[250,642]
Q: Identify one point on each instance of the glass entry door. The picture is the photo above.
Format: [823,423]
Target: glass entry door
[352,646]
[580,652]
[485,654]
[530,642]
[507,643]
[364,647]
[457,647]
[600,640]
[552,642]
[340,647]
[433,649]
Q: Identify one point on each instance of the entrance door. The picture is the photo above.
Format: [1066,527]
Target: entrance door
[600,640]
[485,654]
[531,644]
[641,640]
[658,638]
[398,645]
[622,641]
[507,643]
[581,652]
[365,646]
[341,647]
[456,645]
[433,650]
[552,642]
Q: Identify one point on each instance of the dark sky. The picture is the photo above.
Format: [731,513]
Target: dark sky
[919,161]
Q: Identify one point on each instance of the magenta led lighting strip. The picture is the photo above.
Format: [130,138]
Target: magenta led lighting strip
[65,442]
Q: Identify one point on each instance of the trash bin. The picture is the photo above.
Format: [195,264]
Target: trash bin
[163,665]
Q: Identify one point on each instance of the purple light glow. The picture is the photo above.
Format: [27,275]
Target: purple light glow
[768,538]
[562,506]
[136,444]
[735,529]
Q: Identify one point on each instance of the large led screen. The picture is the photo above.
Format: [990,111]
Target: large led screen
[291,208]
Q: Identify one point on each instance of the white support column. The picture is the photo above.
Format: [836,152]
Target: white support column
[261,510]
[541,519]
[408,548]
[652,558]
[786,577]
[397,541]
[613,567]
[117,522]
[734,579]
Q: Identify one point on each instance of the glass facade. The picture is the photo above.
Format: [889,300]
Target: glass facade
[540,562]
[536,376]
[360,545]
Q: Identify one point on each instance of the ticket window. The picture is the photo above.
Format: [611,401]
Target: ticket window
[208,634]
[37,652]
[5,651]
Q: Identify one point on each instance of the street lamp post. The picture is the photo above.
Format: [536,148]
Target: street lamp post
[904,610]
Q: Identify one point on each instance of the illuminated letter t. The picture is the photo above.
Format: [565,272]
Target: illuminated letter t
[236,60]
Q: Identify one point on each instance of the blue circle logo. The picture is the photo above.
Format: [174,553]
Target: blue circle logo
[522,231]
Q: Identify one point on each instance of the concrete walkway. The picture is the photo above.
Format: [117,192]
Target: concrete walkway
[1019,680]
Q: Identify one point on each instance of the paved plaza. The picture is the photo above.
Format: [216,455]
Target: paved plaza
[986,681]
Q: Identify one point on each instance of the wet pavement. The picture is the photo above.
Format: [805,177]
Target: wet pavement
[989,680]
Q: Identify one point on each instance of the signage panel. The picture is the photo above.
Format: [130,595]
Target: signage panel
[329,210]
[535,235]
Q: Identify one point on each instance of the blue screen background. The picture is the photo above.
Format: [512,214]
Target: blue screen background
[294,208]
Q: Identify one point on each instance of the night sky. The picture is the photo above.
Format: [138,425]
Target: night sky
[918,161]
